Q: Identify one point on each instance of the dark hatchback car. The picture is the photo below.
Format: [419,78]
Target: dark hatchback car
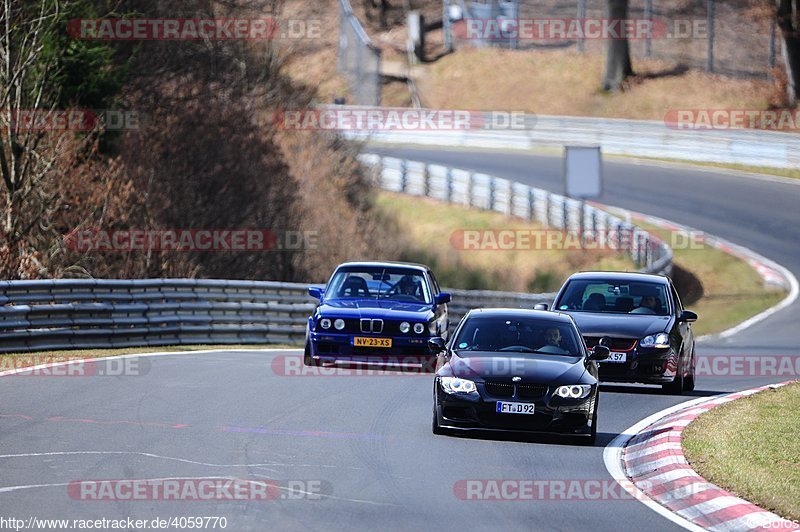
[641,319]
[516,370]
[376,312]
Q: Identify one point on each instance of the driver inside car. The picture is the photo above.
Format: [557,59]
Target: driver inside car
[552,338]
[408,286]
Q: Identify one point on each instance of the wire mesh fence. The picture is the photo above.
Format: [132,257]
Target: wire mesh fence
[358,58]
[731,37]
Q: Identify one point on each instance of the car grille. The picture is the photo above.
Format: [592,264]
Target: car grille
[378,327]
[523,391]
[531,391]
[617,344]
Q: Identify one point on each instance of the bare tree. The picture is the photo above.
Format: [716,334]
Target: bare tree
[788,20]
[618,55]
[28,151]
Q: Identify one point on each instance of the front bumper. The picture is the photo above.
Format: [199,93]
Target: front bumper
[644,365]
[480,413]
[333,347]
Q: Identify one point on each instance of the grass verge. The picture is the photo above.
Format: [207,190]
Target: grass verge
[750,447]
[428,228]
[6,360]
[722,289]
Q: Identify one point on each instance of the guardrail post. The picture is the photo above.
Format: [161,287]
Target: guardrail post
[564,214]
[449,184]
[548,209]
[531,204]
[403,175]
[471,190]
[491,193]
[426,176]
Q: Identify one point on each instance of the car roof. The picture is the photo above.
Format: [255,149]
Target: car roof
[521,313]
[387,264]
[620,276]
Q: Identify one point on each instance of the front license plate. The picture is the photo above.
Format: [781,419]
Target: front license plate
[616,357]
[372,342]
[514,408]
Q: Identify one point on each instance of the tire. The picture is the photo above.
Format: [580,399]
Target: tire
[688,381]
[591,439]
[308,360]
[676,386]
[435,428]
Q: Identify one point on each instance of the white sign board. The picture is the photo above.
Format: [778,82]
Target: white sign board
[583,172]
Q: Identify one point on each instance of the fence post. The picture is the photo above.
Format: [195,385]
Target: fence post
[648,15]
[547,209]
[491,193]
[710,12]
[426,176]
[564,214]
[581,17]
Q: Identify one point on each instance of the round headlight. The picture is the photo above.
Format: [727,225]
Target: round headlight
[419,328]
[325,323]
[339,324]
[405,327]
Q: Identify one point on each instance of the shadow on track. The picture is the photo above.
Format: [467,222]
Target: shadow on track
[649,390]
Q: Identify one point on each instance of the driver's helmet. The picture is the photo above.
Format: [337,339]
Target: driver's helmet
[408,285]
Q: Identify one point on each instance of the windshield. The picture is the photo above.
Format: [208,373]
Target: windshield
[399,284]
[615,297]
[518,335]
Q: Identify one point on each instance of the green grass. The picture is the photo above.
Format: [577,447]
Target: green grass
[751,448]
[732,291]
[427,227]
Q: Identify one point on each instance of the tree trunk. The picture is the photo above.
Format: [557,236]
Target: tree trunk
[618,54]
[787,20]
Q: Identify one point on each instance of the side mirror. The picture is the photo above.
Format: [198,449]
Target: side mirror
[315,292]
[687,316]
[600,352]
[540,306]
[436,345]
[443,298]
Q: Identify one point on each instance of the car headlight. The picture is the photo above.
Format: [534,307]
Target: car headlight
[576,391]
[454,385]
[339,324]
[419,328]
[405,327]
[655,340]
[325,323]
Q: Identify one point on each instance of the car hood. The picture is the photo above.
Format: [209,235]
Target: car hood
[620,325]
[376,308]
[531,368]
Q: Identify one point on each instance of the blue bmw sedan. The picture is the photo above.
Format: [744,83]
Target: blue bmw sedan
[376,312]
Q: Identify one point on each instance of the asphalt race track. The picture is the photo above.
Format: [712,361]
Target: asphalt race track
[367,440]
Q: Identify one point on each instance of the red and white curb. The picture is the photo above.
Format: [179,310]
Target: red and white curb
[652,458]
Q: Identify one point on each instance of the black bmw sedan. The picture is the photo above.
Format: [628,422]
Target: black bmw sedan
[641,319]
[516,370]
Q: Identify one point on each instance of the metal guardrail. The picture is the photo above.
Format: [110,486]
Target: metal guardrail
[84,314]
[639,138]
[483,191]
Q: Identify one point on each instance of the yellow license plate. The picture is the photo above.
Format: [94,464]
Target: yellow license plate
[372,342]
